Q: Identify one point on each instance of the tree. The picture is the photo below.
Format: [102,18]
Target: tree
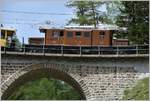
[87,12]
[94,12]
[135,17]
[81,9]
[16,41]
[113,10]
[45,89]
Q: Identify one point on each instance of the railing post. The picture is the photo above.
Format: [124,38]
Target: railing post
[99,50]
[4,49]
[24,51]
[43,49]
[117,50]
[80,50]
[62,50]
[137,50]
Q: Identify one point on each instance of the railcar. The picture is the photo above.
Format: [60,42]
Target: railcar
[36,40]
[7,37]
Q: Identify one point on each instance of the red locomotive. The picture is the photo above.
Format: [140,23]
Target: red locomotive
[82,35]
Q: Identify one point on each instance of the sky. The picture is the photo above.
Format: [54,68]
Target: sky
[28,15]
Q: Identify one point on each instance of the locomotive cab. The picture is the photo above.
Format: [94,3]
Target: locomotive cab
[7,37]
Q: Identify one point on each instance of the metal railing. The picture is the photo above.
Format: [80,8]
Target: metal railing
[80,50]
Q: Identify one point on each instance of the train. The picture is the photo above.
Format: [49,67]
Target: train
[68,36]
[72,40]
[80,35]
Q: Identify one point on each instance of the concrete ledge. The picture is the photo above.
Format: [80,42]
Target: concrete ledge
[77,55]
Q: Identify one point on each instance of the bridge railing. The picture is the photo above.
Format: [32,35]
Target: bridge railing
[80,50]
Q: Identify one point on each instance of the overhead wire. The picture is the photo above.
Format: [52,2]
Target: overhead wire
[27,12]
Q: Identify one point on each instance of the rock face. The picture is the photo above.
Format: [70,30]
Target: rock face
[94,78]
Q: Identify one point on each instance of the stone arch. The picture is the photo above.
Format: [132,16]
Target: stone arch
[37,71]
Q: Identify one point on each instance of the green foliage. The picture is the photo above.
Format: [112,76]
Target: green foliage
[17,42]
[45,89]
[87,12]
[135,17]
[139,92]
[113,10]
[80,8]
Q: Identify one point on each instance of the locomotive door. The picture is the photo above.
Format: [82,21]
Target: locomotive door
[101,37]
[61,37]
[77,38]
[87,38]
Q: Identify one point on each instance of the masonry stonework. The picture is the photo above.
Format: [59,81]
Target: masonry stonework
[94,78]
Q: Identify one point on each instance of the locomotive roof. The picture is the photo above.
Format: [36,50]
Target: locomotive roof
[8,29]
[79,29]
[85,28]
[36,37]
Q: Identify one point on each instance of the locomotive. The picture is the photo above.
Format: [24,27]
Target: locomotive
[71,39]
[80,35]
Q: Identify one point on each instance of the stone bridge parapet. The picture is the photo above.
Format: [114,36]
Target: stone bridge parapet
[94,77]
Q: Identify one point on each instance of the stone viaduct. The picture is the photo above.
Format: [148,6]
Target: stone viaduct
[96,78]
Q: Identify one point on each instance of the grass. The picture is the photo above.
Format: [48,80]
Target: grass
[139,92]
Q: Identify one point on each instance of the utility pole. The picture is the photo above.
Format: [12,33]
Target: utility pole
[22,41]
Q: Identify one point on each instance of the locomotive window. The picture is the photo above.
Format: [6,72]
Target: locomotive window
[102,35]
[78,34]
[86,34]
[55,34]
[69,34]
[2,35]
[61,33]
